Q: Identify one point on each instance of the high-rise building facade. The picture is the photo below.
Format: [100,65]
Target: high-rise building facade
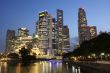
[51,37]
[82,21]
[66,38]
[54,34]
[93,31]
[22,39]
[60,28]
[46,31]
[85,32]
[23,32]
[10,36]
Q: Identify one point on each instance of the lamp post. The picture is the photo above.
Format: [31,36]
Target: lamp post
[102,54]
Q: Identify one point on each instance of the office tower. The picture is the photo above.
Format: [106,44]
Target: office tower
[82,21]
[66,38]
[23,39]
[60,17]
[85,32]
[10,36]
[54,34]
[60,28]
[23,36]
[46,32]
[23,32]
[93,31]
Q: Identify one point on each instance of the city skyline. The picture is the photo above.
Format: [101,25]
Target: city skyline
[15,14]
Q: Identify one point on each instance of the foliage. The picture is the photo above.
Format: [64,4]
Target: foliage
[25,54]
[13,55]
[96,45]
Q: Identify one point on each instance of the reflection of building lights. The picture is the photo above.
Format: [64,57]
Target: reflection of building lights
[5,66]
[18,68]
[79,70]
[73,69]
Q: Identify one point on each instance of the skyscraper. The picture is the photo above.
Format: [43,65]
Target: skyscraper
[22,39]
[82,21]
[10,36]
[46,31]
[60,17]
[60,28]
[82,26]
[23,32]
[66,38]
[85,32]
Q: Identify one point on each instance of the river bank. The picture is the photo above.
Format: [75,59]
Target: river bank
[92,67]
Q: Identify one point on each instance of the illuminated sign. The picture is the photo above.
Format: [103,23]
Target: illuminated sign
[41,15]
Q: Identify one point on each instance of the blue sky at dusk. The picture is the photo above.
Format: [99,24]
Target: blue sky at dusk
[24,13]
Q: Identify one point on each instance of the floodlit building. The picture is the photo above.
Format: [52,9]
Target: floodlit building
[93,32]
[85,32]
[66,38]
[60,28]
[23,32]
[10,36]
[23,39]
[46,31]
[50,36]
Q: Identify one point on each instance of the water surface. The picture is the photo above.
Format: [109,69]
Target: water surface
[51,66]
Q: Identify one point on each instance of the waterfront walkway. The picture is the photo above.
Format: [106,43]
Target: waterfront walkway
[103,62]
[98,66]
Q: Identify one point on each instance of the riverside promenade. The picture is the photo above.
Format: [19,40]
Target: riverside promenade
[94,66]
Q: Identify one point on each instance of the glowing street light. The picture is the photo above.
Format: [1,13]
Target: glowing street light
[102,54]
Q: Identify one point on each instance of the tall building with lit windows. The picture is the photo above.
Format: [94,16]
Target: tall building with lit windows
[51,37]
[93,31]
[47,33]
[82,21]
[85,32]
[60,28]
[82,26]
[23,32]
[66,38]
[10,36]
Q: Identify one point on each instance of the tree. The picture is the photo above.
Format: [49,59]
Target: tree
[13,55]
[24,52]
[98,45]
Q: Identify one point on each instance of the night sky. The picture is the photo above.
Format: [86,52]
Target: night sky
[24,13]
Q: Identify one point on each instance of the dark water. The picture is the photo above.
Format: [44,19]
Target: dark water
[38,67]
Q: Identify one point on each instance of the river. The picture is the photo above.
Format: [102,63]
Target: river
[51,66]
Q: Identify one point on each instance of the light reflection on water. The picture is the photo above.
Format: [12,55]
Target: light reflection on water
[38,67]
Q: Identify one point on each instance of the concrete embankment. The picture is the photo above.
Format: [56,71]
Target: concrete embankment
[93,67]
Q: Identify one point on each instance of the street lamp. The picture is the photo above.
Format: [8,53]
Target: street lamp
[102,54]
